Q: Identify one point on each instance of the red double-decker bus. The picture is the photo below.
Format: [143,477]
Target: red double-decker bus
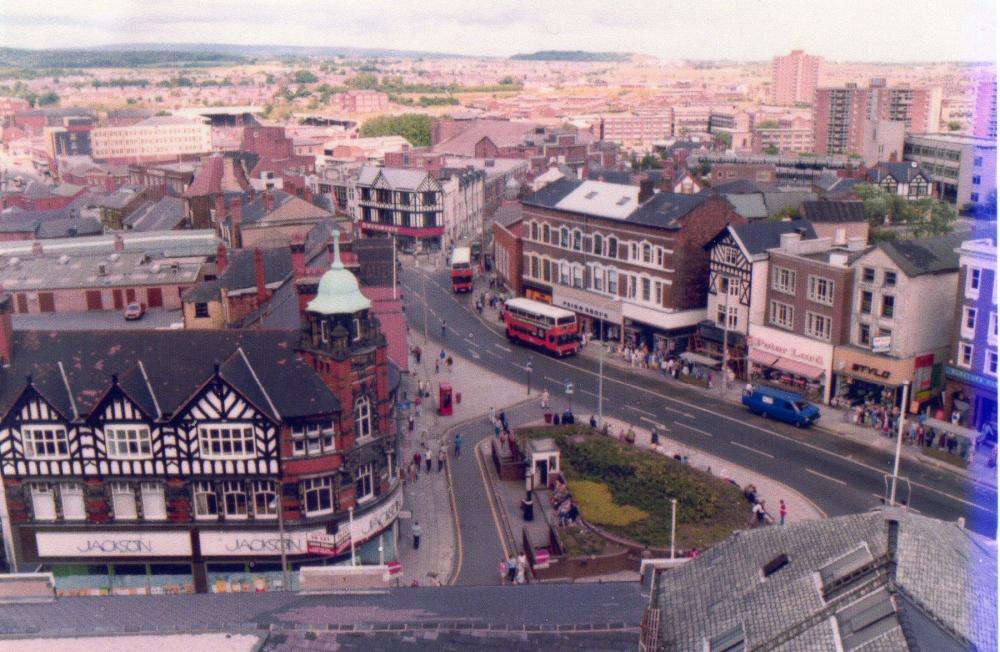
[541,325]
[461,269]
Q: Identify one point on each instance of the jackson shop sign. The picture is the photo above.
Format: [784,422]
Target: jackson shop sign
[113,544]
[249,543]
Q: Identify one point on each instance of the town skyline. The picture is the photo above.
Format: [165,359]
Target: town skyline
[891,32]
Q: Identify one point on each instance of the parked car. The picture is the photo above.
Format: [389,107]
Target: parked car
[781,405]
[135,311]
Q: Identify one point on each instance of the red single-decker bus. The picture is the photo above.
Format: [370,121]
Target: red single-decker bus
[541,325]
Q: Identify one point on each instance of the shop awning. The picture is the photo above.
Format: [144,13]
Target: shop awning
[798,368]
[697,358]
[763,358]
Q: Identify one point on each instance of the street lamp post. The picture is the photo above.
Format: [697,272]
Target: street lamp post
[527,375]
[673,524]
[899,443]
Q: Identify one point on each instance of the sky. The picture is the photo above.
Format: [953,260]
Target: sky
[855,30]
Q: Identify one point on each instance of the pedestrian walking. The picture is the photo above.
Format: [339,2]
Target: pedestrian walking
[416,535]
[545,400]
[444,328]
[503,419]
[782,511]
[437,366]
[458,445]
[428,461]
[493,414]
[416,354]
[411,423]
[416,461]
[511,569]
[412,472]
[503,571]
[522,567]
[654,437]
[449,362]
[441,456]
[759,513]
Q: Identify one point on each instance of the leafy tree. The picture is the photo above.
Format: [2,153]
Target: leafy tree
[925,217]
[954,125]
[414,127]
[771,150]
[724,138]
[48,99]
[767,124]
[269,78]
[363,81]
[305,77]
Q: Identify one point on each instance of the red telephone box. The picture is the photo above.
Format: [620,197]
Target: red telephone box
[444,399]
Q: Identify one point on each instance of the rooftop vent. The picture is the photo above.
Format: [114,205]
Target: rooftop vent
[624,200]
[102,270]
[590,195]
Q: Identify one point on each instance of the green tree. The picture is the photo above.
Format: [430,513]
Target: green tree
[771,149]
[724,138]
[48,99]
[414,127]
[954,125]
[925,217]
[363,82]
[305,77]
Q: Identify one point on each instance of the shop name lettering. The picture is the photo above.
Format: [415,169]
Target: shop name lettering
[787,351]
[379,521]
[242,544]
[112,546]
[871,371]
[593,312]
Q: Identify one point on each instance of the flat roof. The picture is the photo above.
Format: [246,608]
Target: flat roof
[958,139]
[119,269]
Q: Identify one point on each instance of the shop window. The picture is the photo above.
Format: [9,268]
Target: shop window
[363,482]
[154,504]
[206,503]
[318,496]
[123,501]
[73,508]
[965,352]
[43,501]
[234,499]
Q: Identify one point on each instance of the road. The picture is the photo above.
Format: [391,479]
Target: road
[840,476]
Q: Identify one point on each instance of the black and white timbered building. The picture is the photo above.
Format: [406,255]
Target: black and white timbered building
[737,286]
[158,461]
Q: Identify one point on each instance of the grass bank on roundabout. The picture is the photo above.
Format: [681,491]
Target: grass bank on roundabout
[626,491]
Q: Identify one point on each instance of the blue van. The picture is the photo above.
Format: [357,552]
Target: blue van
[781,405]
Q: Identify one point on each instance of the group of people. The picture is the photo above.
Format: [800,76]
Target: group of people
[563,502]
[759,514]
[514,570]
[423,455]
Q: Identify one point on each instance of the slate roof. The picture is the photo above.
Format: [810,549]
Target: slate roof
[551,194]
[758,237]
[751,206]
[936,255]
[665,208]
[779,201]
[398,178]
[218,174]
[737,186]
[838,212]
[946,575]
[176,364]
[164,215]
[834,187]
[285,207]
[902,172]
[610,175]
[241,273]
[502,133]
[70,227]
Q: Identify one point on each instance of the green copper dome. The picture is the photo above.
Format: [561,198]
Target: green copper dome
[338,292]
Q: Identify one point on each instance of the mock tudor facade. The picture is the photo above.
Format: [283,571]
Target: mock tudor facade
[167,461]
[622,256]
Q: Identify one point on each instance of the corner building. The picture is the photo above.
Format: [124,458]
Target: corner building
[168,462]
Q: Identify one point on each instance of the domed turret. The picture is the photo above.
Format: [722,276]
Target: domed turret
[338,292]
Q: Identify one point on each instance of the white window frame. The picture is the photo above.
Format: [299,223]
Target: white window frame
[612,247]
[783,280]
[264,499]
[363,472]
[578,276]
[819,326]
[991,333]
[577,240]
[966,353]
[789,309]
[973,281]
[52,440]
[597,278]
[564,237]
[317,486]
[43,501]
[969,314]
[235,505]
[154,501]
[730,255]
[613,282]
[990,363]
[128,441]
[362,417]
[123,501]
[207,509]
[565,275]
[646,289]
[233,435]
[815,293]
[73,506]
[598,244]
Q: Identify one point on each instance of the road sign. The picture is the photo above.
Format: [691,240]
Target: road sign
[569,387]
[541,557]
[395,568]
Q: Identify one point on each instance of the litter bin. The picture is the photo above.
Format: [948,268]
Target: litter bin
[548,417]
[528,507]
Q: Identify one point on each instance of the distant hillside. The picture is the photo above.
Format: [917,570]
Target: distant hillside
[251,51]
[572,55]
[111,58]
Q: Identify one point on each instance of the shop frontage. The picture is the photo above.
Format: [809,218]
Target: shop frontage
[974,397]
[117,561]
[664,333]
[599,317]
[708,341]
[780,359]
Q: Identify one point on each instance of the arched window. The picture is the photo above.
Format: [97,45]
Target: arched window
[546,233]
[647,253]
[564,237]
[362,417]
[598,244]
[577,240]
[612,247]
[534,231]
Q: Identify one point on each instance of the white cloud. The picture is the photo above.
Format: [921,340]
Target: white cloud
[887,30]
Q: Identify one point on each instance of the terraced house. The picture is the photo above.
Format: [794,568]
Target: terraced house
[182,461]
[630,262]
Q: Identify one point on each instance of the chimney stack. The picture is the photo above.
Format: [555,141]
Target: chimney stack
[119,242]
[268,200]
[220,208]
[645,190]
[236,222]
[221,259]
[258,264]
